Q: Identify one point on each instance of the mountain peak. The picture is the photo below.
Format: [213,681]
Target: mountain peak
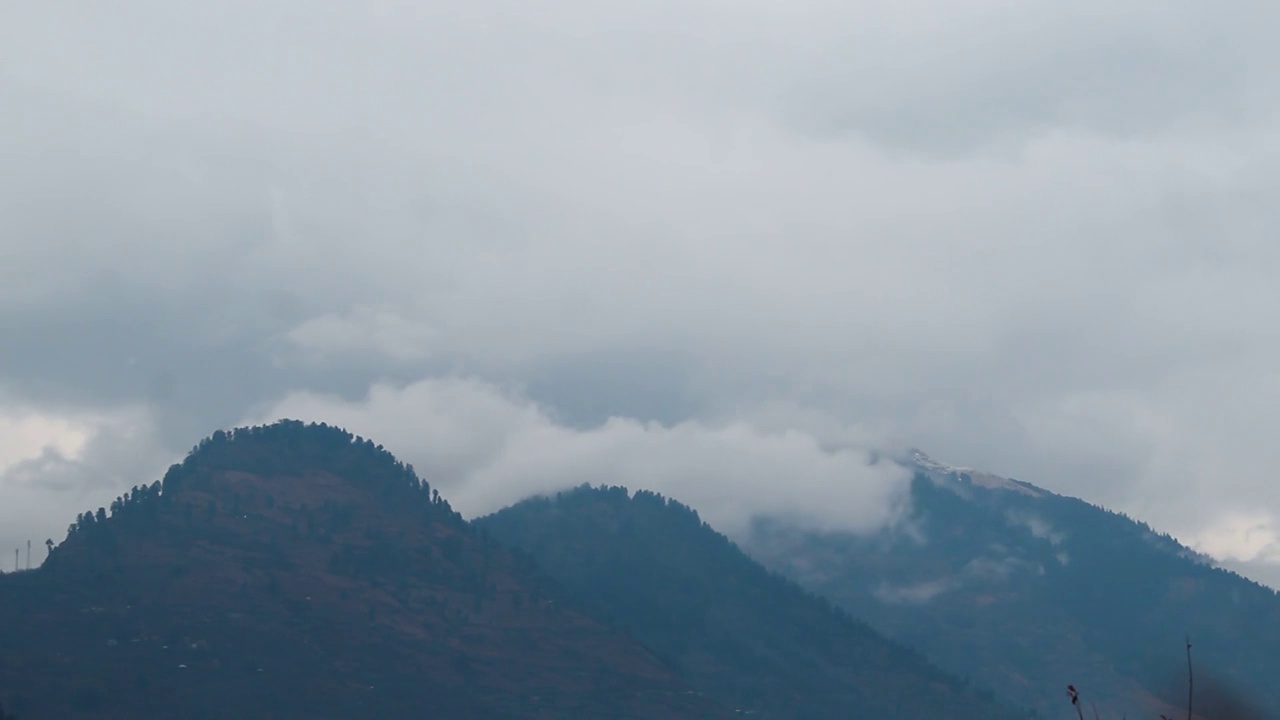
[311,462]
[291,447]
[299,571]
[744,636]
[1028,590]
[943,474]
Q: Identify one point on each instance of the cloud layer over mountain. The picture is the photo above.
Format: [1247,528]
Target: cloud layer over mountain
[1034,238]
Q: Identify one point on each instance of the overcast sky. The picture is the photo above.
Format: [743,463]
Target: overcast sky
[770,240]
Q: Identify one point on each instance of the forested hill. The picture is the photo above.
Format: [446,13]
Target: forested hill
[295,571]
[1029,591]
[745,636]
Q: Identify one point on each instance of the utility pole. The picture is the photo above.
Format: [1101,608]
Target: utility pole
[15,559]
[28,554]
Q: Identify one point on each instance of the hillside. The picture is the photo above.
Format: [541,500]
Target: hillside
[295,571]
[741,634]
[1029,591]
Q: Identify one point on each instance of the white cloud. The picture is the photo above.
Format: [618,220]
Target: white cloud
[28,435]
[1037,526]
[67,463]
[1243,537]
[484,449]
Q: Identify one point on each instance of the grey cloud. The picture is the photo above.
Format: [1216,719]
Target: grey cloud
[1037,526]
[586,389]
[43,493]
[981,76]
[1032,239]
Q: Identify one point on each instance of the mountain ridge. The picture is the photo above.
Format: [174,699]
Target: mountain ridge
[1032,590]
[297,571]
[319,576]
[748,637]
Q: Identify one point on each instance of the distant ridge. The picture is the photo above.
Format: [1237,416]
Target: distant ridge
[748,638]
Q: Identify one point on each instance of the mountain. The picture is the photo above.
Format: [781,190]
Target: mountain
[1028,591]
[296,571]
[743,635]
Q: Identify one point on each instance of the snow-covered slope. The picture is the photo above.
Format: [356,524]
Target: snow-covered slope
[944,474]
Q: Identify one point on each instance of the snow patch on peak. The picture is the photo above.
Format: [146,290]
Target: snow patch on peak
[941,472]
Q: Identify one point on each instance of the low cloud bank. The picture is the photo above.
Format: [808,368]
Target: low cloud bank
[486,448]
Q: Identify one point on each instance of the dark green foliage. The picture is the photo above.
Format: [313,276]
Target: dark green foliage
[287,447]
[291,447]
[743,635]
[355,592]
